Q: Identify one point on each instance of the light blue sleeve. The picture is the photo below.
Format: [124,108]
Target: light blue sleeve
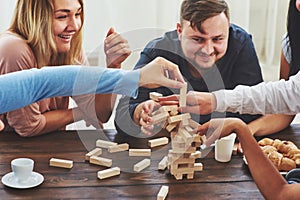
[22,88]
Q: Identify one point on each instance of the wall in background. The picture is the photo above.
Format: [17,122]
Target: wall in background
[142,20]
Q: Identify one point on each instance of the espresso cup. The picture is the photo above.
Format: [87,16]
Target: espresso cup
[22,168]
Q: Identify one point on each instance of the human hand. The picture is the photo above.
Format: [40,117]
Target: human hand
[196,102]
[142,115]
[116,49]
[218,128]
[160,72]
[1,125]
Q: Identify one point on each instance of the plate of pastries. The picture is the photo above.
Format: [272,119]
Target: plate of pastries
[285,155]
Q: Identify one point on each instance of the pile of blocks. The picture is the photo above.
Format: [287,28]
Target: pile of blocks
[181,158]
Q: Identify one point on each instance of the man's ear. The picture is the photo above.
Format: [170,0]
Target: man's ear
[179,31]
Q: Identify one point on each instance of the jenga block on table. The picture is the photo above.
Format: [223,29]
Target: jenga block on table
[162,165]
[141,165]
[163,192]
[154,96]
[108,173]
[94,152]
[139,152]
[118,148]
[104,143]
[158,142]
[101,161]
[55,162]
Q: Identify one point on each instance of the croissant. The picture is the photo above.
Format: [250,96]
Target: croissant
[286,146]
[286,164]
[285,155]
[265,142]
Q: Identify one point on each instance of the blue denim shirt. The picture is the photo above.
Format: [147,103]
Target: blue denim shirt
[238,66]
[19,89]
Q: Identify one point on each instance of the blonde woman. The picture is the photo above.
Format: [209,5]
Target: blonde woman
[49,32]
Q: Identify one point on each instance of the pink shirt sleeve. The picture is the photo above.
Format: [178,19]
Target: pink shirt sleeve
[16,55]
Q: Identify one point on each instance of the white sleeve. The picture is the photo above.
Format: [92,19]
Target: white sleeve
[265,98]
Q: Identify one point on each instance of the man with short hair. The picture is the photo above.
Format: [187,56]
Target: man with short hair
[211,53]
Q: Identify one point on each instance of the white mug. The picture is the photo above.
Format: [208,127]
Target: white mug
[22,168]
[224,147]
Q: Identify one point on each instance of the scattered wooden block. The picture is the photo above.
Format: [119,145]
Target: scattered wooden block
[61,163]
[182,97]
[163,192]
[94,152]
[101,161]
[118,148]
[141,165]
[154,95]
[139,152]
[108,173]
[158,142]
[104,143]
[162,165]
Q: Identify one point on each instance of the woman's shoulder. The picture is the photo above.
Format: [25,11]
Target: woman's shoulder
[12,41]
[15,53]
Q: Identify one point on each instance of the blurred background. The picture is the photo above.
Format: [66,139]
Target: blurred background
[140,21]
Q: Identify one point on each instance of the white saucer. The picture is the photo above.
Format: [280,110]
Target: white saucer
[11,181]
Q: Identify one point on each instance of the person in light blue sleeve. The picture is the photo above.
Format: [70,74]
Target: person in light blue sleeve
[21,88]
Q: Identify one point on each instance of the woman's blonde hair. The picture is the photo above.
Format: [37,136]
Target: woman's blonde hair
[33,21]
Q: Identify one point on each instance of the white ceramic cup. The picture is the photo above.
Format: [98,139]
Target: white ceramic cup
[224,147]
[22,168]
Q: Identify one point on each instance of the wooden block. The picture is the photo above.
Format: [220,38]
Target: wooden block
[178,118]
[154,95]
[158,142]
[160,117]
[108,172]
[193,124]
[235,149]
[94,152]
[187,137]
[163,192]
[139,152]
[189,129]
[162,165]
[170,127]
[141,165]
[101,161]
[198,167]
[61,163]
[118,148]
[196,154]
[104,143]
[182,97]
[168,108]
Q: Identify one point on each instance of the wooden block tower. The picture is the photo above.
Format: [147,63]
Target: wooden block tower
[182,156]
